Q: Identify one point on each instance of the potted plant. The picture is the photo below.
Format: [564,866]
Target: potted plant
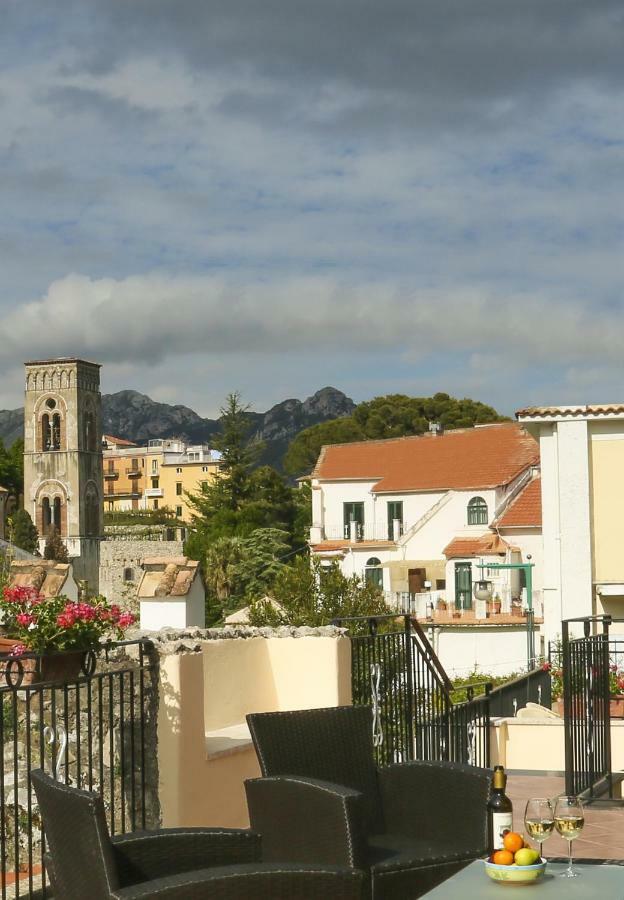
[495,605]
[616,692]
[46,638]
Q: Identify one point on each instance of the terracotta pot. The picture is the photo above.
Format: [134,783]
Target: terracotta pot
[616,706]
[57,668]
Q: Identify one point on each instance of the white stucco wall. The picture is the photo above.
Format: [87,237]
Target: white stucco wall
[496,650]
[174,612]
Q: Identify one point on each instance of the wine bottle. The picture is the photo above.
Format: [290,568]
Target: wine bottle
[499,810]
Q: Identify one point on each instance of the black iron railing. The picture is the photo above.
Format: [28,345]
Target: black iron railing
[395,670]
[585,659]
[96,731]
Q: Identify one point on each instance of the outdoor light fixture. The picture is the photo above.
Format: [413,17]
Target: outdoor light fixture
[483,590]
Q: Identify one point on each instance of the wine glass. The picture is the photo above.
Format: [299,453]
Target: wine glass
[539,820]
[569,821]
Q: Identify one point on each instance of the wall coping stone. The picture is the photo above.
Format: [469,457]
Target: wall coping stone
[192,640]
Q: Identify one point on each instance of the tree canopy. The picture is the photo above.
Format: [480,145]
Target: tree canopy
[312,594]
[12,467]
[394,415]
[22,531]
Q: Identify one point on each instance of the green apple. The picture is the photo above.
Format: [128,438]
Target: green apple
[526,857]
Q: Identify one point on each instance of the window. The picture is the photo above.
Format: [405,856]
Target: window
[178,488]
[463,585]
[155,504]
[178,511]
[395,513]
[477,511]
[353,512]
[46,433]
[179,470]
[56,513]
[46,514]
[111,465]
[155,483]
[204,468]
[56,432]
[128,574]
[154,465]
[373,573]
[193,457]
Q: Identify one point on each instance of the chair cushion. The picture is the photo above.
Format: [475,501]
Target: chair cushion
[395,851]
[403,867]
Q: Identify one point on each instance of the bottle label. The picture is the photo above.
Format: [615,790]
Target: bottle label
[501,822]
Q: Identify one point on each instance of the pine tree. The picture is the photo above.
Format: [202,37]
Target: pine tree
[23,532]
[54,547]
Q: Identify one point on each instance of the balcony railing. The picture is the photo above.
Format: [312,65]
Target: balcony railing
[130,492]
[111,473]
[134,471]
[153,492]
[369,531]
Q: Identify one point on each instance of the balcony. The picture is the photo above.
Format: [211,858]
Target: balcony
[134,471]
[111,474]
[153,492]
[130,492]
[369,531]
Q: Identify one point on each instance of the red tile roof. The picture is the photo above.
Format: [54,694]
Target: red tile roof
[465,459]
[487,545]
[525,509]
[567,412]
[118,442]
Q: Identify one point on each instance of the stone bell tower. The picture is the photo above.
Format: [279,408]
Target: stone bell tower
[63,458]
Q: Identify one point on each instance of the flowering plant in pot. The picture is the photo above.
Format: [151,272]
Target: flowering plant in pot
[55,628]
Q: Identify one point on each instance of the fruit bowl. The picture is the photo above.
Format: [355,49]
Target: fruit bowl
[514,873]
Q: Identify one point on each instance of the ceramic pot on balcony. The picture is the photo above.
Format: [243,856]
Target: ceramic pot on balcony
[58,668]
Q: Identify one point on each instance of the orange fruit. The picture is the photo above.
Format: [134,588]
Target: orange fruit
[503,857]
[513,841]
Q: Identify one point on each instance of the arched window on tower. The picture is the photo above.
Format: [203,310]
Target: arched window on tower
[46,433]
[46,515]
[56,514]
[56,432]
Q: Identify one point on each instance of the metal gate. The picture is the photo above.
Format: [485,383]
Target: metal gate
[93,732]
[396,672]
[587,723]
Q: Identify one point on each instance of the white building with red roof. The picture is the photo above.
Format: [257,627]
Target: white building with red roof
[419,515]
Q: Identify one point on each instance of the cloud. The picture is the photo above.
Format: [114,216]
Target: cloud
[393,193]
[151,318]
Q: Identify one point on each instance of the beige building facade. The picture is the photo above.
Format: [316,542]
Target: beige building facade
[582,486]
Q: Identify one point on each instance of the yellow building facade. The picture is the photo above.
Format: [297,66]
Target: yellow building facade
[158,476]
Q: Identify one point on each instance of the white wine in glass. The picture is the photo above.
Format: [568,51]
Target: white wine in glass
[569,821]
[539,820]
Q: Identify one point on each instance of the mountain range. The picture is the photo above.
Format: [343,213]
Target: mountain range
[136,417]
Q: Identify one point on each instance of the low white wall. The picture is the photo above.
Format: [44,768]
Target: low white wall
[496,650]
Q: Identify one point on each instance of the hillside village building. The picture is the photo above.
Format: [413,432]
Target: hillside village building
[156,476]
[582,488]
[419,515]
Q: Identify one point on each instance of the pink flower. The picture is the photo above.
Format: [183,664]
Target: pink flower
[546,667]
[126,619]
[25,619]
[18,650]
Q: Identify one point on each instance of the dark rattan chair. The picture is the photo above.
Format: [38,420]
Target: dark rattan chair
[324,801]
[172,864]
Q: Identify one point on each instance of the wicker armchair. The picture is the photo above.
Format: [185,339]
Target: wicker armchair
[172,864]
[322,800]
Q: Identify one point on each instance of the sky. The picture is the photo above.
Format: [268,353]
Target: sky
[387,196]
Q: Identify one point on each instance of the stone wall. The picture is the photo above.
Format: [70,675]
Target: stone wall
[118,555]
